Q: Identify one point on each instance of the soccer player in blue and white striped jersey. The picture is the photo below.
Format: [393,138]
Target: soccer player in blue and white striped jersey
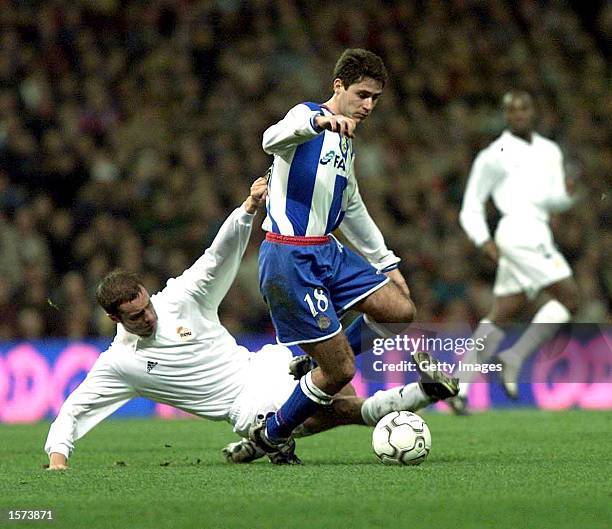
[307,277]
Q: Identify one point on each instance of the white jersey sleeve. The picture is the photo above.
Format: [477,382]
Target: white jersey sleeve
[294,129]
[557,198]
[211,276]
[363,233]
[101,393]
[481,182]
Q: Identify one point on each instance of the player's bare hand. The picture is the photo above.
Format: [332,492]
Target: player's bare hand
[396,277]
[57,461]
[338,123]
[490,249]
[259,192]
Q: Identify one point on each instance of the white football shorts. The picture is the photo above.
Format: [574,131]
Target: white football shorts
[529,260]
[267,388]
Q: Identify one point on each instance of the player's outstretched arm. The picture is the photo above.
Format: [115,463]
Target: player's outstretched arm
[483,178]
[100,394]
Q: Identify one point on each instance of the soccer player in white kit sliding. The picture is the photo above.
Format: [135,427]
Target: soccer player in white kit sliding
[171,348]
[523,172]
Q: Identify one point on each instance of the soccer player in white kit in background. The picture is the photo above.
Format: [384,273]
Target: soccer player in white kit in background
[523,172]
[172,348]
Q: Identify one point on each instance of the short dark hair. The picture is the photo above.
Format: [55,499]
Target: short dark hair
[356,63]
[116,288]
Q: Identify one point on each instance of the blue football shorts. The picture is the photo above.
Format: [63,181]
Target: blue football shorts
[309,282]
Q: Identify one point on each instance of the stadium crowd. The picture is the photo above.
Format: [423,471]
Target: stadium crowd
[129,129]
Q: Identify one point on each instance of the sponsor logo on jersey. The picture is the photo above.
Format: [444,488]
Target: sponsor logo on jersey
[339,161]
[184,333]
[327,158]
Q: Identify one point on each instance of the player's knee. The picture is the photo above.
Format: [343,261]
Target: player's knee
[410,312]
[570,299]
[571,304]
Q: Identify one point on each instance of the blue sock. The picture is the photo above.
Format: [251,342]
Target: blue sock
[360,336]
[298,407]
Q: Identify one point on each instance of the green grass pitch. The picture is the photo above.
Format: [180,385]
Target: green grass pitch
[514,469]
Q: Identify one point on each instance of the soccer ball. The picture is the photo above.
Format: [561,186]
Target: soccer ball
[401,438]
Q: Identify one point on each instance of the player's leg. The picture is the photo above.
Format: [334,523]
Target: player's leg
[335,369]
[566,293]
[303,313]
[539,268]
[360,334]
[490,332]
[388,304]
[270,385]
[358,285]
[510,302]
[348,408]
[351,409]
[386,311]
[562,302]
[345,409]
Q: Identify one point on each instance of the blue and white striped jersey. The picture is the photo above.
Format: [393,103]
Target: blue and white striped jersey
[312,188]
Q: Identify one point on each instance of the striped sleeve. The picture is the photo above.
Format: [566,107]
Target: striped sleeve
[294,129]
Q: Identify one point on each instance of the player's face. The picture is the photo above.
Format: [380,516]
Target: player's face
[359,99]
[138,316]
[520,115]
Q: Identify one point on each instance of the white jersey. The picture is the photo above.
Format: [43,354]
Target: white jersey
[312,188]
[526,181]
[191,362]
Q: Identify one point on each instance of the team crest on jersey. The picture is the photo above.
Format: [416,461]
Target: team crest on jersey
[323,322]
[184,333]
[344,146]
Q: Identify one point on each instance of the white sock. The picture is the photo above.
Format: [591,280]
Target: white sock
[491,336]
[406,398]
[553,314]
[313,392]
